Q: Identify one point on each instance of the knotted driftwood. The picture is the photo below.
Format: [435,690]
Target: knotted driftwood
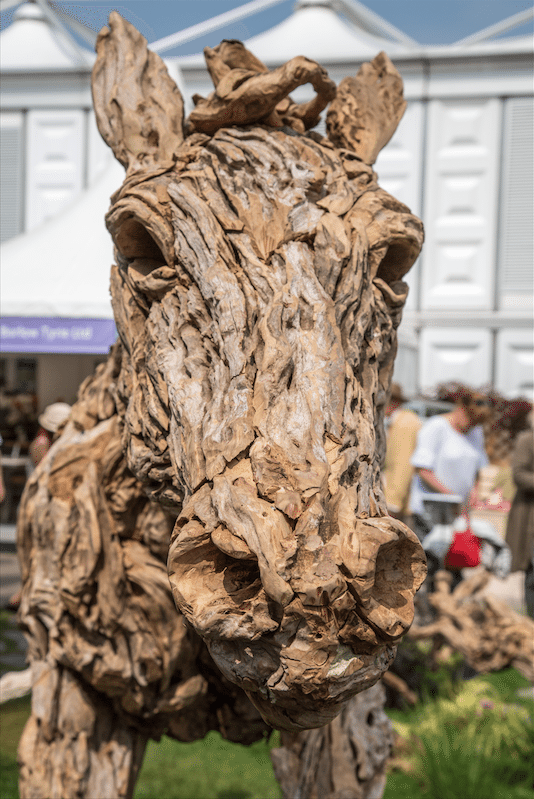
[229,450]
[489,634]
[346,759]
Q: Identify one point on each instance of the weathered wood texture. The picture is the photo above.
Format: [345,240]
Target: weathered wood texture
[489,634]
[236,429]
[113,661]
[345,760]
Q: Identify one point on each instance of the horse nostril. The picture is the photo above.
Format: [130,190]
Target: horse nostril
[386,569]
[133,240]
[397,572]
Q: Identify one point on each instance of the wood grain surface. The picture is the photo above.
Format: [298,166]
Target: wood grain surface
[210,523]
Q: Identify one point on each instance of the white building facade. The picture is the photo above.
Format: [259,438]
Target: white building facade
[461,159]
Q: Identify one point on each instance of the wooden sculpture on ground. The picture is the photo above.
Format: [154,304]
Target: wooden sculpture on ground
[489,634]
[230,447]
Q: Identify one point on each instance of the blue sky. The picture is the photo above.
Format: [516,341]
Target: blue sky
[427,21]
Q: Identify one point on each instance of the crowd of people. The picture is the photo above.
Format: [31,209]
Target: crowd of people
[432,475]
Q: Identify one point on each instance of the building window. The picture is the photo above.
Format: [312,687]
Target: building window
[11,170]
[516,253]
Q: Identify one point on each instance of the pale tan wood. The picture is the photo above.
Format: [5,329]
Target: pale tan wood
[489,634]
[74,745]
[345,760]
[223,467]
[98,612]
[367,109]
[247,93]
[138,107]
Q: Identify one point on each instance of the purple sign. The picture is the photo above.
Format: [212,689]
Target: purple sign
[31,334]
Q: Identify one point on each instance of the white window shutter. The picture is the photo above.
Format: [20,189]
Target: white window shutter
[11,150]
[517,252]
[56,162]
[399,169]
[515,362]
[455,353]
[461,204]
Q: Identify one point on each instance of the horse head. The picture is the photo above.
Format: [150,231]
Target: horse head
[257,292]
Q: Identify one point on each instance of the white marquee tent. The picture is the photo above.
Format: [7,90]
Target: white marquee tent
[61,268]
[460,160]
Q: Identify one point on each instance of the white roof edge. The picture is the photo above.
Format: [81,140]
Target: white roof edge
[514,45]
[37,40]
[523,46]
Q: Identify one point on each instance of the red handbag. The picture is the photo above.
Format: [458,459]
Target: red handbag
[464,550]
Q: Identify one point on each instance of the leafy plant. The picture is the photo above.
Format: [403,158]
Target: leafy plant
[472,745]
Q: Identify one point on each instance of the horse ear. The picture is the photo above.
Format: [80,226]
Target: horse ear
[367,109]
[139,109]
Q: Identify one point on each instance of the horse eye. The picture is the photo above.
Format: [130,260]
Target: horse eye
[400,256]
[134,241]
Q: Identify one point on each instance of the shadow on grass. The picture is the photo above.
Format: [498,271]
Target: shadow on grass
[234,793]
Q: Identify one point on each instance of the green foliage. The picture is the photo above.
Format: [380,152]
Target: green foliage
[473,744]
[428,679]
[9,645]
[402,786]
[7,624]
[467,763]
[507,682]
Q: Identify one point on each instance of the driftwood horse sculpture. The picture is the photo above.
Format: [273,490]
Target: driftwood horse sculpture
[210,525]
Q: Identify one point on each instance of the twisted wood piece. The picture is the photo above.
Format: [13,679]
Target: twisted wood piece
[235,432]
[489,634]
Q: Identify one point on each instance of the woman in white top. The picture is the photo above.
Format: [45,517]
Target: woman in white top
[450,450]
[448,456]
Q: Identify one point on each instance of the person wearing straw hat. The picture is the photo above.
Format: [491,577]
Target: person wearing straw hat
[50,420]
[402,426]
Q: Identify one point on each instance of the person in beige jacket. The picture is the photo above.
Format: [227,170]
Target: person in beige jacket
[402,426]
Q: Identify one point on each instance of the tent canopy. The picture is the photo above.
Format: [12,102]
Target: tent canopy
[319,32]
[61,269]
[36,40]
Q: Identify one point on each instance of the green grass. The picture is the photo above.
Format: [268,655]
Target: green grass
[402,786]
[209,769]
[13,716]
[9,775]
[507,683]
